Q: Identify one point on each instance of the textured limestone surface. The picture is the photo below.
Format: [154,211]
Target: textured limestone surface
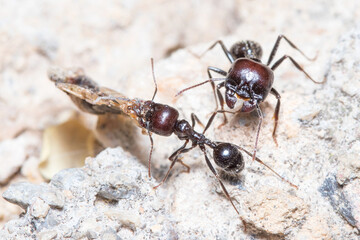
[112,197]
[115,38]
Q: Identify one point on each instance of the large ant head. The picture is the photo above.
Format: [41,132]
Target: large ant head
[228,157]
[161,119]
[248,80]
[247,49]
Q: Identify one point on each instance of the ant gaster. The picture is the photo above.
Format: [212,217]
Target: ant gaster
[155,118]
[248,79]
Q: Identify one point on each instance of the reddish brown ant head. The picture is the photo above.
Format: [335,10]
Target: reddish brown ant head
[161,119]
[249,80]
[228,157]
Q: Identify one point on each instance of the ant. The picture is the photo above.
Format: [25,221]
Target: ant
[248,79]
[154,118]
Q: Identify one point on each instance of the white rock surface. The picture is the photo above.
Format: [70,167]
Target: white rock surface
[25,194]
[111,196]
[13,153]
[39,208]
[318,132]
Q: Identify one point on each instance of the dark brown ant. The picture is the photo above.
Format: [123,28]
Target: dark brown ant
[155,118]
[248,79]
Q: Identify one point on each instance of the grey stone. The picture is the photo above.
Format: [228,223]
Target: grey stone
[116,192]
[109,235]
[47,235]
[69,178]
[23,194]
[89,215]
[331,190]
[51,220]
[352,194]
[39,209]
[91,234]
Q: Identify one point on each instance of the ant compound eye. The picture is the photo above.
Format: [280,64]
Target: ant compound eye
[161,119]
[228,157]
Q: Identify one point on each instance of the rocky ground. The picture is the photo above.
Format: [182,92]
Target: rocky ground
[111,196]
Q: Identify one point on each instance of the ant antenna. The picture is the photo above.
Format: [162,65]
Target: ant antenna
[268,167]
[199,84]
[258,130]
[153,74]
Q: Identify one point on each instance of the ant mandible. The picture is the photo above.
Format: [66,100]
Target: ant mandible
[155,118]
[248,79]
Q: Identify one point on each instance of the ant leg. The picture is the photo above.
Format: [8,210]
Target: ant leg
[217,70]
[222,72]
[276,113]
[185,165]
[210,121]
[212,118]
[194,119]
[261,162]
[258,130]
[227,53]
[221,100]
[153,75]
[221,183]
[180,161]
[151,149]
[278,62]
[277,43]
[174,158]
[218,93]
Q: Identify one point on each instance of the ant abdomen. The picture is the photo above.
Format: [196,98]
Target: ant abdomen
[228,157]
[161,119]
[246,49]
